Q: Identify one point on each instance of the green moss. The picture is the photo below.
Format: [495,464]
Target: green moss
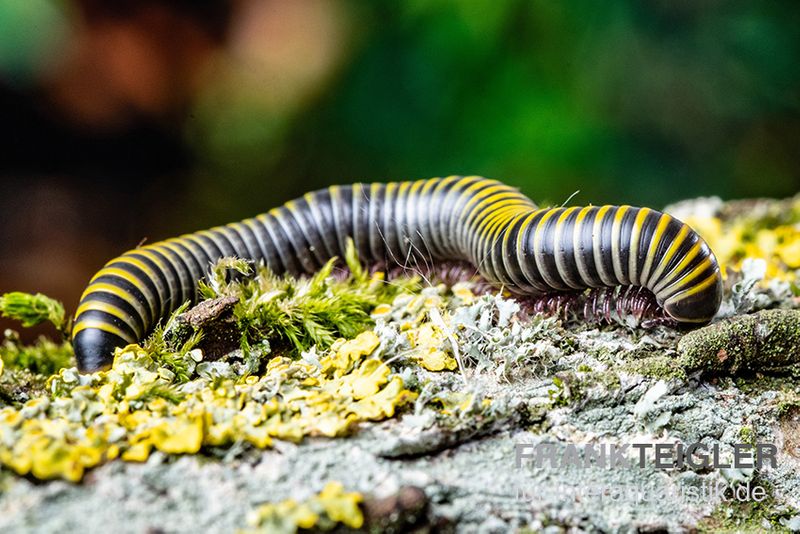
[749,515]
[788,405]
[765,341]
[173,353]
[31,310]
[747,435]
[567,390]
[44,357]
[303,312]
[755,384]
[610,380]
[25,368]
[275,315]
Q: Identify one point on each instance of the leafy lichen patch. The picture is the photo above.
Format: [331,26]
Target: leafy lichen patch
[137,407]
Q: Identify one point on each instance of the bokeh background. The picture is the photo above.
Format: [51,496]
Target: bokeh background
[141,119]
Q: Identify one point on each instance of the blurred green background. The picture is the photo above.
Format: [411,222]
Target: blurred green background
[141,119]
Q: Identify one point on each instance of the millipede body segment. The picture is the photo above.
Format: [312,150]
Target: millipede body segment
[509,240]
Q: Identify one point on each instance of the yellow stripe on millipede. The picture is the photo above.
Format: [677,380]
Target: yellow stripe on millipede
[152,276]
[477,202]
[583,269]
[498,222]
[131,279]
[101,325]
[686,279]
[104,287]
[523,229]
[538,236]
[633,255]
[664,261]
[416,186]
[616,230]
[182,266]
[492,228]
[214,238]
[318,219]
[187,253]
[655,241]
[484,210]
[508,253]
[202,245]
[708,281]
[147,253]
[670,278]
[561,265]
[499,213]
[106,307]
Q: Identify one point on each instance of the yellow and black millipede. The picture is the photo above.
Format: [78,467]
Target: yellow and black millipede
[499,230]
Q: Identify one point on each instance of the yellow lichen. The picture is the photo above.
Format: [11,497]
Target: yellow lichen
[124,412]
[462,291]
[324,511]
[427,341]
[735,240]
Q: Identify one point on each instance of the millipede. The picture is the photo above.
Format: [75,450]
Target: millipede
[509,240]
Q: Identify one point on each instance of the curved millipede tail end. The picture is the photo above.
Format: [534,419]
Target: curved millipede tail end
[94,349]
[697,306]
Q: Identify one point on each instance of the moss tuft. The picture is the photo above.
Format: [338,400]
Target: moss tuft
[44,357]
[31,310]
[305,312]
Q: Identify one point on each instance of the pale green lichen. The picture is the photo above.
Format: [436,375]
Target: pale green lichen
[167,396]
[747,435]
[659,367]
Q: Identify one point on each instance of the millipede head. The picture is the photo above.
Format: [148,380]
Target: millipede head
[94,349]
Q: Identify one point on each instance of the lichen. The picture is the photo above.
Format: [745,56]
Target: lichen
[750,229]
[137,406]
[660,367]
[331,507]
